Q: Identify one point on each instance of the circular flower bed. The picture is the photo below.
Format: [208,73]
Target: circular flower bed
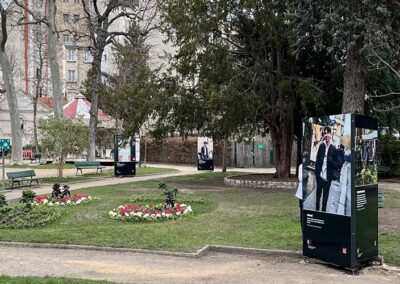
[142,212]
[23,217]
[74,199]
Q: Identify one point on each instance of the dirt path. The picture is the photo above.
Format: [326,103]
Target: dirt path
[128,267]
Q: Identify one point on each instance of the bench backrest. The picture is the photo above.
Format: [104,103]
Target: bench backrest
[21,174]
[87,163]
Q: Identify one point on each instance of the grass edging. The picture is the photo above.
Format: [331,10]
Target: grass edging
[199,253]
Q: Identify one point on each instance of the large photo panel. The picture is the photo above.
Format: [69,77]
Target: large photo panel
[327,164]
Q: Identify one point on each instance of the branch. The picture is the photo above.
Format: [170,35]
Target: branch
[3,28]
[386,63]
[37,19]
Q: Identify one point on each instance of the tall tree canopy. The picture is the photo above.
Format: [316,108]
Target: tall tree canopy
[351,30]
[238,57]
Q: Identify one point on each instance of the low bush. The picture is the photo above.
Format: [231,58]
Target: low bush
[23,217]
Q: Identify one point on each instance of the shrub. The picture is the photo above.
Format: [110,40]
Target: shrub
[169,193]
[3,201]
[23,217]
[27,197]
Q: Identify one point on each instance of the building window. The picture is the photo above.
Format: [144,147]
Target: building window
[65,1]
[71,76]
[66,39]
[71,55]
[76,1]
[76,18]
[66,18]
[88,57]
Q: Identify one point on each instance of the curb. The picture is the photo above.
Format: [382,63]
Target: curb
[199,253]
[231,181]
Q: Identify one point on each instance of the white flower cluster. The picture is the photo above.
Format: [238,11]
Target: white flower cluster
[138,215]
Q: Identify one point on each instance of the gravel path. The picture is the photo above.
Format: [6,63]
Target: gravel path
[128,267]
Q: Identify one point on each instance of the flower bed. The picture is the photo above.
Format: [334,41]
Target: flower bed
[17,217]
[74,199]
[142,212]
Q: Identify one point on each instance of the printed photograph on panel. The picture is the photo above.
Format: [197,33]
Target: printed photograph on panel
[327,164]
[204,148]
[365,157]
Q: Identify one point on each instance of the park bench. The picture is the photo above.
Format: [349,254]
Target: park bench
[21,176]
[79,165]
[384,171]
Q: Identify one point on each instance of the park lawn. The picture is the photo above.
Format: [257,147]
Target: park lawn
[389,241]
[237,217]
[105,174]
[40,166]
[47,280]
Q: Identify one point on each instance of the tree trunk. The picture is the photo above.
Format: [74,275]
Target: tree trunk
[354,81]
[54,68]
[95,89]
[16,135]
[224,155]
[35,102]
[145,150]
[282,141]
[61,166]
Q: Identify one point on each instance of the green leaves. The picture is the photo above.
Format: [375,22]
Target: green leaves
[61,136]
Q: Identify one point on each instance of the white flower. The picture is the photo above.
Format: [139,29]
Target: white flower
[57,203]
[189,208]
[178,213]
[126,214]
[45,201]
[69,202]
[158,215]
[153,216]
[78,201]
[146,215]
[163,214]
[167,215]
[90,197]
[183,205]
[50,203]
[139,214]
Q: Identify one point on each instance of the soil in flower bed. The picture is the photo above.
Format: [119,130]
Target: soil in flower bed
[265,177]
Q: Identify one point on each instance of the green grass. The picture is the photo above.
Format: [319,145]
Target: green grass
[105,174]
[47,280]
[248,218]
[237,217]
[40,166]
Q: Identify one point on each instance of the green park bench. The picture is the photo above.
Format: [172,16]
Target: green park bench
[21,176]
[384,171]
[79,165]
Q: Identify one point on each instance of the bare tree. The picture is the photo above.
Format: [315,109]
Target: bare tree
[16,135]
[50,21]
[101,16]
[40,61]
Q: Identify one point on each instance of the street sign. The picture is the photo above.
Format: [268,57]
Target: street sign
[5,144]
